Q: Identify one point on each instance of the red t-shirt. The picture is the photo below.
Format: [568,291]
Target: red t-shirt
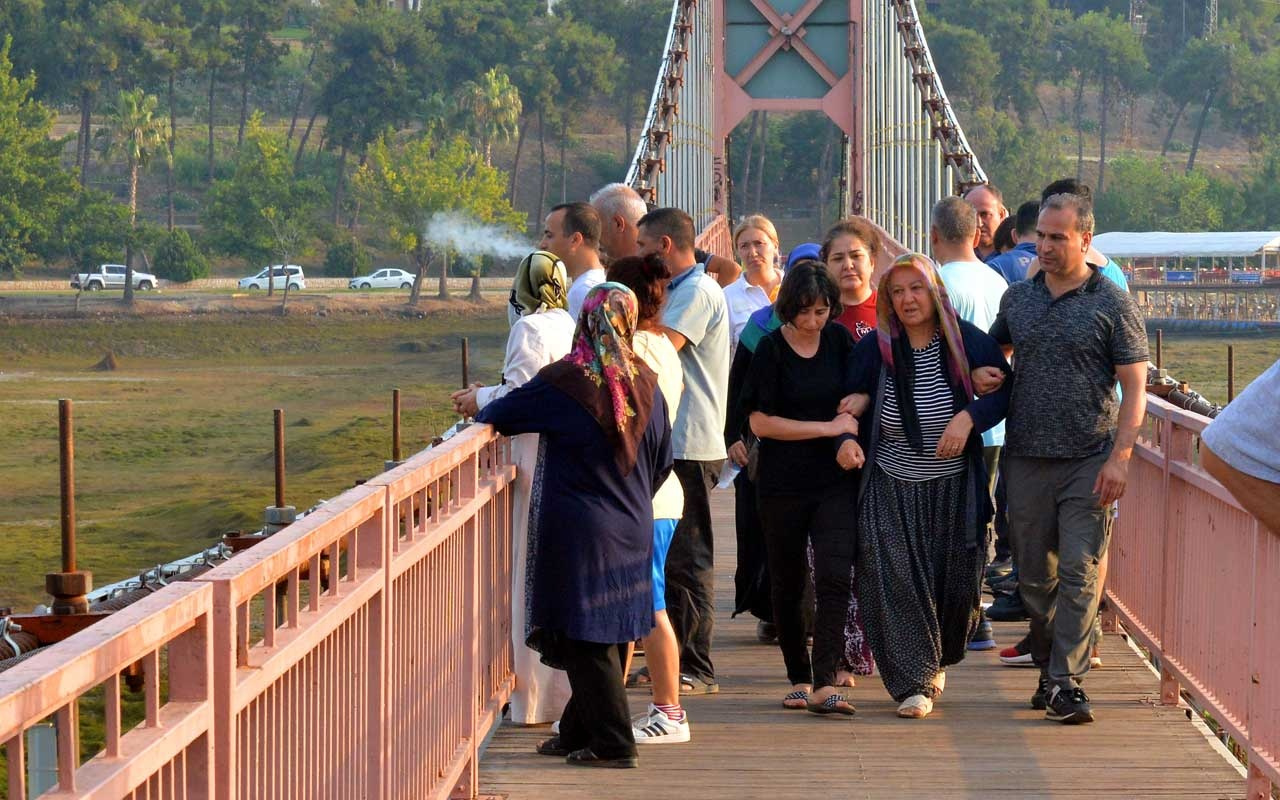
[860,319]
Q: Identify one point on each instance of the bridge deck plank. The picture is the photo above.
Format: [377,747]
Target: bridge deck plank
[982,739]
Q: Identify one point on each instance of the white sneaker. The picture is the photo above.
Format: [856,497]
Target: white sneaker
[658,728]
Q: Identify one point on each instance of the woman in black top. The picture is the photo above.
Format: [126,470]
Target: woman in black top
[792,392]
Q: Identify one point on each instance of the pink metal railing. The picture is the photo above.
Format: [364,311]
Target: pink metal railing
[362,652]
[1196,579]
[717,237]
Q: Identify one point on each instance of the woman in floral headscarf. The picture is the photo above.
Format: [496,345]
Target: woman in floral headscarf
[606,448]
[541,333]
[923,501]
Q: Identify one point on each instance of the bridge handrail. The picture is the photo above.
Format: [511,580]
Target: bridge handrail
[362,651]
[1194,579]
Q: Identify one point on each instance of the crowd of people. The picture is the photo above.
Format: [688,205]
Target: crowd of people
[884,454]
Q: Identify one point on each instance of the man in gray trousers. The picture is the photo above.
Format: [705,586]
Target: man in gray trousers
[1068,441]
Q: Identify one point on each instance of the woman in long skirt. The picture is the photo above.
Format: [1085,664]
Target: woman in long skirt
[923,503]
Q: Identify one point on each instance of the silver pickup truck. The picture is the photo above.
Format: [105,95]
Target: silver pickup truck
[111,276]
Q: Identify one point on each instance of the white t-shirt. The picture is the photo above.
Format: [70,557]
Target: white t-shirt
[656,350]
[579,288]
[743,299]
[975,290]
[535,341]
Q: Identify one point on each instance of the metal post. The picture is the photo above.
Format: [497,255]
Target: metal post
[279,515]
[1159,348]
[68,587]
[67,481]
[278,415]
[1231,372]
[466,363]
[395,424]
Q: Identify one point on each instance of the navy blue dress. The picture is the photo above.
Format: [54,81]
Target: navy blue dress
[590,527]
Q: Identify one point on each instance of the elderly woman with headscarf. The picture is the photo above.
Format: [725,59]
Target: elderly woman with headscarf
[606,448]
[923,500]
[541,333]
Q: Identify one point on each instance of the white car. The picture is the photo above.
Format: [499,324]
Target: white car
[383,279]
[280,274]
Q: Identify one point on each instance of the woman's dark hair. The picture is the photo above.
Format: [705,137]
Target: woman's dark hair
[859,228]
[1002,239]
[805,284]
[647,277]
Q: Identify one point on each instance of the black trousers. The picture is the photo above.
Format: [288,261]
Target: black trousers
[690,570]
[751,578]
[597,715]
[828,519]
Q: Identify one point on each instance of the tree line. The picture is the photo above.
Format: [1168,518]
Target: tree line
[287,125]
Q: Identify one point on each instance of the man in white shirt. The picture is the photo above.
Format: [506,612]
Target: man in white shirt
[975,291]
[696,321]
[572,232]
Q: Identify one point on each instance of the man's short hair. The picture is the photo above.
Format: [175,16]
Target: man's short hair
[580,217]
[1067,186]
[955,220]
[1072,202]
[990,187]
[672,223]
[1027,215]
[619,199]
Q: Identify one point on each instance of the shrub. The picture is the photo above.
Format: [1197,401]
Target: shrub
[346,258]
[178,259]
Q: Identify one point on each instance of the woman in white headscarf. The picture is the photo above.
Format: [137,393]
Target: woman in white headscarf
[541,333]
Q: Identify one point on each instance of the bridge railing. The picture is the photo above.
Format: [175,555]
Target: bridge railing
[362,652]
[1196,580]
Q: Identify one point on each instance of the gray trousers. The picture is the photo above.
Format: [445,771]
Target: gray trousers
[1060,534]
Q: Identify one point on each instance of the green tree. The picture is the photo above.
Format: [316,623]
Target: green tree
[382,64]
[585,65]
[969,67]
[134,128]
[173,52]
[212,47]
[408,184]
[34,186]
[631,25]
[1020,33]
[346,258]
[1106,52]
[177,258]
[91,229]
[263,196]
[490,109]
[93,42]
[1145,194]
[252,46]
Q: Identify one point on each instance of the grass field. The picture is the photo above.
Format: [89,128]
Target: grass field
[1201,361]
[175,446]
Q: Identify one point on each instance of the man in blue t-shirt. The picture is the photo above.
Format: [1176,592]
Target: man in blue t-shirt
[1012,265]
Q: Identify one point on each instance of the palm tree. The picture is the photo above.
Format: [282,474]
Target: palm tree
[491,110]
[134,127]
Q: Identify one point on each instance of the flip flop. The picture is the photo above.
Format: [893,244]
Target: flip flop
[639,679]
[832,705]
[798,694]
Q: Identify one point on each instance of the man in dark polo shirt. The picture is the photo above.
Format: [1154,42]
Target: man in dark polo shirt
[1068,441]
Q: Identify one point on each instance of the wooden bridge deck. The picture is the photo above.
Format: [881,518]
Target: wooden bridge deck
[982,740]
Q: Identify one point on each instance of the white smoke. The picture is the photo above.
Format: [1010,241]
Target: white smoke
[470,238]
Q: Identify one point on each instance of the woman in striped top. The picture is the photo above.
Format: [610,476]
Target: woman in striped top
[923,505]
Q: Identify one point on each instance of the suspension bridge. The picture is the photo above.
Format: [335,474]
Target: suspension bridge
[364,651]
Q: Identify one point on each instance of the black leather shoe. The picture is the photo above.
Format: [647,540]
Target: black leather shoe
[766,632]
[586,758]
[1007,608]
[552,747]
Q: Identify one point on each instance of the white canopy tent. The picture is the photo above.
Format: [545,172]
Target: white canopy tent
[1226,244]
